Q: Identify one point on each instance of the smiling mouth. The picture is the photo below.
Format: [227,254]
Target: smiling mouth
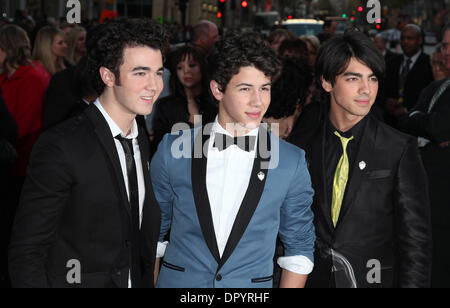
[254,115]
[363,101]
[147,98]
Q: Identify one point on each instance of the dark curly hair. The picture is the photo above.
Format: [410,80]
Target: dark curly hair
[238,50]
[107,42]
[290,90]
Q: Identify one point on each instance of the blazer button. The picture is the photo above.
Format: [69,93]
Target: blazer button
[127,244]
[118,272]
[218,277]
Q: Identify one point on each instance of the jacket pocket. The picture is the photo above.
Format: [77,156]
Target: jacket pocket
[378,174]
[262,279]
[173,267]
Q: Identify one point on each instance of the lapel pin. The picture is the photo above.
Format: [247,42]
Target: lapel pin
[362,165]
[148,166]
[261,176]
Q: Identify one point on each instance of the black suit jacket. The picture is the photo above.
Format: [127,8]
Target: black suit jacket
[420,76]
[385,215]
[74,206]
[389,56]
[435,126]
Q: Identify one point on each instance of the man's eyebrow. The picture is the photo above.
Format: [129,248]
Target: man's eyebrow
[145,68]
[250,85]
[352,74]
[141,68]
[356,74]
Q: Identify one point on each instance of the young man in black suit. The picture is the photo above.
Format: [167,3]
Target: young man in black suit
[371,207]
[88,216]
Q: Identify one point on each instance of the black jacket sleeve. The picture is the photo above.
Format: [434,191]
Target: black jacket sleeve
[434,126]
[45,193]
[412,221]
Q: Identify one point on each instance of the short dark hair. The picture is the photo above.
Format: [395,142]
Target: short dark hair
[239,50]
[108,41]
[335,55]
[290,90]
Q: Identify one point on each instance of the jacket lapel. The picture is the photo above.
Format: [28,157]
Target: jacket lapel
[318,175]
[106,139]
[365,154]
[252,196]
[200,192]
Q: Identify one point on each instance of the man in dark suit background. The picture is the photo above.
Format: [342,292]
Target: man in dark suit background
[407,75]
[429,120]
[371,204]
[88,216]
[75,85]
[380,42]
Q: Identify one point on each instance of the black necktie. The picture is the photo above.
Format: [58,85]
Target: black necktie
[404,73]
[133,189]
[246,143]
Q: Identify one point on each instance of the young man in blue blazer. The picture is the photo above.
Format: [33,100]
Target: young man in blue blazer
[228,189]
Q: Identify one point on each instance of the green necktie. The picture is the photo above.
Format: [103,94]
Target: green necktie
[340,180]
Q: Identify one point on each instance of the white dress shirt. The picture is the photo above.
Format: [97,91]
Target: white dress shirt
[413,61]
[227,178]
[115,130]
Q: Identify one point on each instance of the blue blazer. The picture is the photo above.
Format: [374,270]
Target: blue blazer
[277,201]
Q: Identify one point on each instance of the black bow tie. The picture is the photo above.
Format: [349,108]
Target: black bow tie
[245,143]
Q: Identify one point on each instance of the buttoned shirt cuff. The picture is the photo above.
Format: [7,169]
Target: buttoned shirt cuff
[161,249]
[296,264]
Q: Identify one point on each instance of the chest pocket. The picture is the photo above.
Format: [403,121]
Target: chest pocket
[377,174]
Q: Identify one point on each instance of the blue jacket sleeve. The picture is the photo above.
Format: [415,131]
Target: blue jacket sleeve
[296,226]
[160,175]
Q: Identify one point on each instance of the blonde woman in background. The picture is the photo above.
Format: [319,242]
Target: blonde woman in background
[50,49]
[76,41]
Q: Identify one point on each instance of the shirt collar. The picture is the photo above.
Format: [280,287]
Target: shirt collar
[217,128]
[115,129]
[355,131]
[413,58]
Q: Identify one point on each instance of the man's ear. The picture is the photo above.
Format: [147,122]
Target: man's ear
[326,85]
[216,90]
[107,76]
